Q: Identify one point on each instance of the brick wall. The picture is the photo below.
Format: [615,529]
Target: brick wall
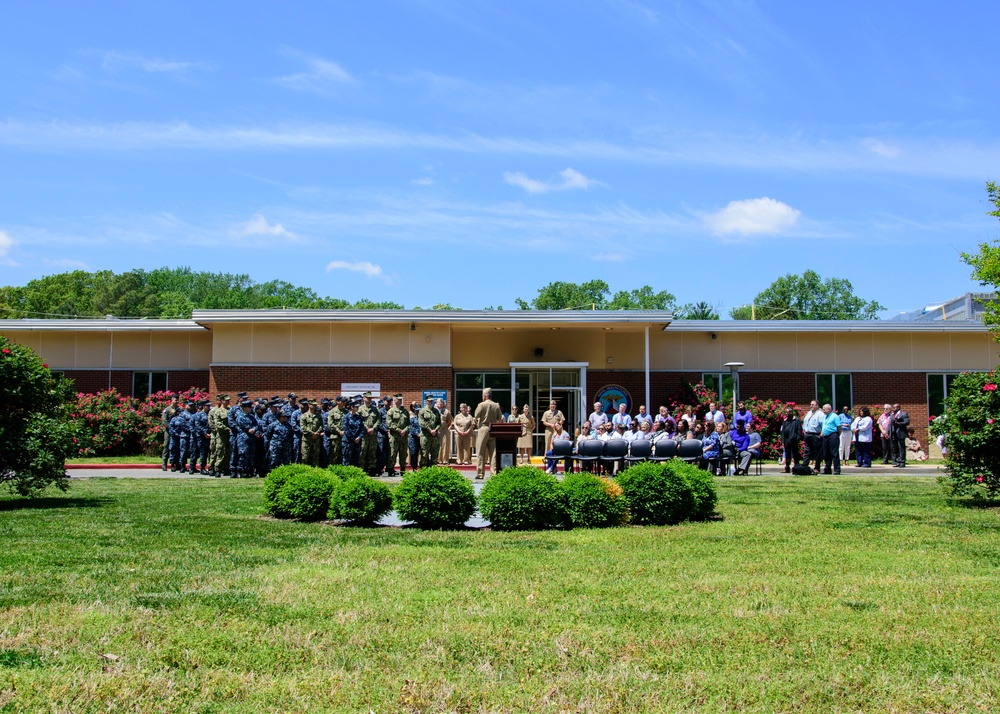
[317,382]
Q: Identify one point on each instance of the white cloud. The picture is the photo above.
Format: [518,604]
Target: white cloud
[358,266]
[113,61]
[319,77]
[753,216]
[569,179]
[6,243]
[880,148]
[258,226]
[424,181]
[608,257]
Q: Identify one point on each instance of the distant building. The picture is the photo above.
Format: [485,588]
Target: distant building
[968,307]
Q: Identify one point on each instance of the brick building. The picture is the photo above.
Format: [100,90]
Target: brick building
[573,357]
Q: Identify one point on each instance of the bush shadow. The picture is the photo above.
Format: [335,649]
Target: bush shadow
[25,503]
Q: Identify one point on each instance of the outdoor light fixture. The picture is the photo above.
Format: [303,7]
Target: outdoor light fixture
[734,369]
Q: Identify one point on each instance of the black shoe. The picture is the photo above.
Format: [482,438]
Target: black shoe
[826,472]
[836,473]
[164,467]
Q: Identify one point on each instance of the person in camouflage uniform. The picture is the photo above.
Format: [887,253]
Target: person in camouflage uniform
[371,419]
[311,424]
[398,423]
[430,425]
[169,413]
[218,425]
[280,440]
[335,429]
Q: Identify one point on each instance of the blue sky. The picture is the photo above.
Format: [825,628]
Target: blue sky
[471,152]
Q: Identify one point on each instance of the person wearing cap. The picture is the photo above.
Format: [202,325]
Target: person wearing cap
[187,419]
[335,426]
[354,433]
[295,421]
[311,424]
[447,419]
[260,455]
[549,420]
[325,406]
[463,425]
[265,421]
[218,426]
[397,422]
[279,438]
[413,437]
[430,428]
[246,437]
[524,440]
[234,441]
[382,435]
[174,430]
[200,437]
[169,412]
[487,413]
[371,419]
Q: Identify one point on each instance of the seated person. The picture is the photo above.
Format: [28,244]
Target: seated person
[913,448]
[752,450]
[727,448]
[710,448]
[558,435]
[643,433]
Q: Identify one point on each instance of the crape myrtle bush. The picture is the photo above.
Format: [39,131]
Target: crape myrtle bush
[971,428]
[594,502]
[523,498]
[273,484]
[768,414]
[702,485]
[656,495]
[360,499]
[435,497]
[111,424]
[306,495]
[36,435]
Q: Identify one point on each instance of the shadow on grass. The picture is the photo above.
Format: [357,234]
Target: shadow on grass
[974,503]
[23,504]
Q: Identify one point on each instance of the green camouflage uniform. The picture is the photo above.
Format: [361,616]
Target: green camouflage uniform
[311,424]
[430,419]
[371,419]
[398,420]
[218,447]
[335,430]
[168,414]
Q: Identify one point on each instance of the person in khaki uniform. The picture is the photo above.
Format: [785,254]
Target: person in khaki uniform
[311,424]
[430,427]
[464,424]
[524,440]
[398,421]
[487,413]
[447,419]
[549,420]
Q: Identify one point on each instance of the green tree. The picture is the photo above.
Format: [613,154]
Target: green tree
[593,295]
[986,263]
[697,311]
[808,297]
[35,433]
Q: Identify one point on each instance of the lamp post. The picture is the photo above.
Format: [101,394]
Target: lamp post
[734,369]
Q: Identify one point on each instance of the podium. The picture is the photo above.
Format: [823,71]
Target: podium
[506,436]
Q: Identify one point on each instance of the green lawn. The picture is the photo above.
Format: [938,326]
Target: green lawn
[814,595]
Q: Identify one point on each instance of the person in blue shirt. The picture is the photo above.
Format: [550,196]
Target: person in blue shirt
[413,438]
[831,440]
[710,448]
[742,413]
[280,440]
[354,430]
[845,434]
[741,442]
[199,437]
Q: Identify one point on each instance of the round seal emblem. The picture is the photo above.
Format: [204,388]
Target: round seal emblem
[613,395]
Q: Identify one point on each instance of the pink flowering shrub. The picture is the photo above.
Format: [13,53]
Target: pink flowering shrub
[971,434]
[110,424]
[768,414]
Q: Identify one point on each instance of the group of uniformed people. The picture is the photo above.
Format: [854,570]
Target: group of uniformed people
[252,437]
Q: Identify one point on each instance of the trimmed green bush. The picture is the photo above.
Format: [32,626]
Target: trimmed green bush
[702,485]
[345,472]
[523,498]
[435,497]
[593,502]
[273,483]
[306,495]
[655,495]
[360,499]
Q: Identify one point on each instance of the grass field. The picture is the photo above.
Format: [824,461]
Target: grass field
[813,595]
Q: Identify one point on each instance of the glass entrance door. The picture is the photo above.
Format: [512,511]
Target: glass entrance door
[564,383]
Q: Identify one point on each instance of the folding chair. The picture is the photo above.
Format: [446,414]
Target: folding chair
[639,450]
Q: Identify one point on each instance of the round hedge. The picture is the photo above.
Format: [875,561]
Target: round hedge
[523,498]
[306,495]
[345,472]
[435,497]
[361,500]
[594,502]
[702,485]
[656,495]
[273,483]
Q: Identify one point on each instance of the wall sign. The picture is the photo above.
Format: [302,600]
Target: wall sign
[611,396]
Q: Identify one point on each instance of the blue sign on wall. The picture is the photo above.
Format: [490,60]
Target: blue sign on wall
[612,395]
[437,394]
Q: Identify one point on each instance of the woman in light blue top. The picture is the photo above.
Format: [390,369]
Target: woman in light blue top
[845,434]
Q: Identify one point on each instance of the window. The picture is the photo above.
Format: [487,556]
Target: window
[722,384]
[937,391]
[146,383]
[469,388]
[834,389]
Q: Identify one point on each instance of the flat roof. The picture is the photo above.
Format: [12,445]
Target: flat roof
[96,325]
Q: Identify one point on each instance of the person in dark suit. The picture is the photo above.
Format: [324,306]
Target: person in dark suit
[900,424]
[791,432]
